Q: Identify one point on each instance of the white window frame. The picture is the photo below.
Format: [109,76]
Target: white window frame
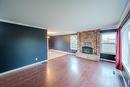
[101,36]
[71,42]
[126,61]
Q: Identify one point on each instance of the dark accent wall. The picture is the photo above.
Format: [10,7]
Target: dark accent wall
[20,45]
[107,56]
[108,30]
[60,42]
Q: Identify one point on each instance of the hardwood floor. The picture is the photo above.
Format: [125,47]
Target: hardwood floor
[68,71]
[54,54]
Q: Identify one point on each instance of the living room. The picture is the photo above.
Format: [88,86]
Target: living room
[61,43]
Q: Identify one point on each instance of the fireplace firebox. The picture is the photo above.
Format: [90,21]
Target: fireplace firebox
[87,50]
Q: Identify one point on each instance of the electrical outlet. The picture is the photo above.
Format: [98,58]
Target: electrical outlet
[114,72]
[36,59]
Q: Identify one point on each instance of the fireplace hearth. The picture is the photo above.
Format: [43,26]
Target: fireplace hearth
[88,45]
[87,50]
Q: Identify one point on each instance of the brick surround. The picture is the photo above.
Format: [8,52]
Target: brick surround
[91,38]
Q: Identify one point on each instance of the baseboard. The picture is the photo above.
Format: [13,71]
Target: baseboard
[107,60]
[62,51]
[24,67]
[55,57]
[123,78]
[126,68]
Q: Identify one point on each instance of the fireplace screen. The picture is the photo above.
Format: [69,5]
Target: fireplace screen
[87,50]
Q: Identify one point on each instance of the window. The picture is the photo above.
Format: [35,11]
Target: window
[129,36]
[126,45]
[108,43]
[129,47]
[73,42]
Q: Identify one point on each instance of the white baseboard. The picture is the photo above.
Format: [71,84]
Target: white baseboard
[54,58]
[127,69]
[21,68]
[62,51]
[123,78]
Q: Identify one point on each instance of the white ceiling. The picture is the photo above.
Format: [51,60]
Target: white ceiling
[64,16]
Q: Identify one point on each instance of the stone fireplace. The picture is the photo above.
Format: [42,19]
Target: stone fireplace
[87,50]
[89,45]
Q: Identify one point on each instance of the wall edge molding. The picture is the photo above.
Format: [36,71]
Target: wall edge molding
[24,67]
[22,24]
[123,78]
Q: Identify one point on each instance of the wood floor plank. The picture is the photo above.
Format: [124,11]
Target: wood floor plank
[67,71]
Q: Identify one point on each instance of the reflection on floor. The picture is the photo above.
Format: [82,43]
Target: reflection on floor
[66,71]
[55,54]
